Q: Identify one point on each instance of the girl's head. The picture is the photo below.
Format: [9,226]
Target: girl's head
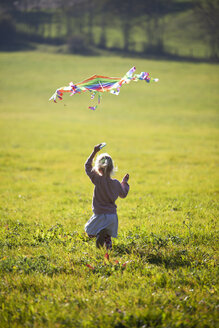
[104,165]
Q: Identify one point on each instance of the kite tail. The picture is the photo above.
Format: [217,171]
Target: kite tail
[92,97]
[115,89]
[128,77]
[72,88]
[54,97]
[144,76]
[93,107]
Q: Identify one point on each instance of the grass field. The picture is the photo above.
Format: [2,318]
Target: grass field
[162,271]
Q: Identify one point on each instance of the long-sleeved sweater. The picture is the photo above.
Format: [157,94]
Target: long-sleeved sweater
[106,190]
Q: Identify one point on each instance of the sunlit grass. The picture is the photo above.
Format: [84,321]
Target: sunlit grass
[162,270]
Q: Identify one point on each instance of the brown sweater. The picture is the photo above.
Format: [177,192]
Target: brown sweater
[106,190]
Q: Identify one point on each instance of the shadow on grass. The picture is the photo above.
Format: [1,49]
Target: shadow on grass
[167,56]
[30,42]
[169,261]
[167,257]
[18,45]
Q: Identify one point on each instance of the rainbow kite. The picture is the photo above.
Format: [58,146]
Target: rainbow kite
[97,84]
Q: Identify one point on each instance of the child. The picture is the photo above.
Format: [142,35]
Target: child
[104,222]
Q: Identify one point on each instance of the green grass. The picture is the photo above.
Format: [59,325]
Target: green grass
[165,136]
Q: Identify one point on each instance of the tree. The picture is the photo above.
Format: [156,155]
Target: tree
[7,23]
[153,13]
[125,10]
[207,12]
[104,8]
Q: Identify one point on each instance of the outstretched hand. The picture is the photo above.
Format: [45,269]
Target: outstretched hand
[97,148]
[126,178]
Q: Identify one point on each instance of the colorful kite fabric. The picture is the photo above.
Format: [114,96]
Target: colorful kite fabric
[97,84]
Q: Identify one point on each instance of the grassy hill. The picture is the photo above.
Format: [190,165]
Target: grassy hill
[162,271]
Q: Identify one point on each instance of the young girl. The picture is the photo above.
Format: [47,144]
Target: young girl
[104,222]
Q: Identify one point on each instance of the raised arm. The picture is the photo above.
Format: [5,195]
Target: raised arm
[88,165]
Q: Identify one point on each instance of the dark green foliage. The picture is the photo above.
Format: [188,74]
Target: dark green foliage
[7,31]
[143,27]
[77,44]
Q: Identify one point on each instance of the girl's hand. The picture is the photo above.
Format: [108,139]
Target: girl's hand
[126,178]
[97,148]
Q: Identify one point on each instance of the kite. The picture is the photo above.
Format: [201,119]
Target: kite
[97,84]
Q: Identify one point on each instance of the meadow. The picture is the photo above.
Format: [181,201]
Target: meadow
[163,268]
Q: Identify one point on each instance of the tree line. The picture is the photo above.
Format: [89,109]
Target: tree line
[76,21]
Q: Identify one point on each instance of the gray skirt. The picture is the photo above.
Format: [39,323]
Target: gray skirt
[99,222]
